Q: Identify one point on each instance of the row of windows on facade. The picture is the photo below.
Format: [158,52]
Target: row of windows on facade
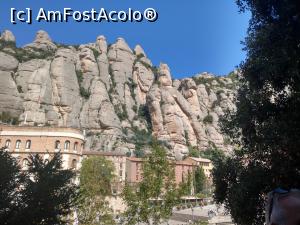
[25,163]
[56,145]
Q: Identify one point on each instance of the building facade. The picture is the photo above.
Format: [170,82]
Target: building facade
[134,170]
[134,173]
[23,141]
[206,165]
[118,160]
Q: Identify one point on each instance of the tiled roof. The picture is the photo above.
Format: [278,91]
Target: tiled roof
[200,159]
[95,153]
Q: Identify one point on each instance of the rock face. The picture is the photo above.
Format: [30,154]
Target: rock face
[112,92]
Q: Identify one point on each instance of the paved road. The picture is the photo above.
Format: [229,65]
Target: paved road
[182,217]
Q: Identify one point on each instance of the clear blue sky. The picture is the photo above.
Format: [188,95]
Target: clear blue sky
[190,36]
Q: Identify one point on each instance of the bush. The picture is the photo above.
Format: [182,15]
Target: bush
[144,113]
[84,93]
[79,75]
[134,108]
[95,52]
[7,44]
[208,119]
[121,111]
[6,117]
[20,89]
[202,80]
[29,53]
[132,86]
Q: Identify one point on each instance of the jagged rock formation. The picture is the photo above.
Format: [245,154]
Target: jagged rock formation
[112,92]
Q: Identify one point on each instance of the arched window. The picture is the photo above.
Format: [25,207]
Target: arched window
[25,164]
[75,146]
[67,145]
[82,146]
[57,144]
[28,144]
[7,143]
[18,144]
[74,164]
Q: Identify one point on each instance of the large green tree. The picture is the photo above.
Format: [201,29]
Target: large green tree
[96,177]
[11,179]
[151,201]
[43,194]
[265,128]
[49,193]
[199,180]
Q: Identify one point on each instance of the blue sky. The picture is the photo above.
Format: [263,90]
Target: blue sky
[191,36]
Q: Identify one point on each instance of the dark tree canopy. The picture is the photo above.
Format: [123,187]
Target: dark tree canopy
[10,180]
[42,195]
[266,126]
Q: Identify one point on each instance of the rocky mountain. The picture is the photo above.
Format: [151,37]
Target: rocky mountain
[112,92]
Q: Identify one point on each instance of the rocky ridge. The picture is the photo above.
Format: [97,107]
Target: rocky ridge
[112,92]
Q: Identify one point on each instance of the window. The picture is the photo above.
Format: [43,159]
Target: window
[67,145]
[57,145]
[74,164]
[82,146]
[7,143]
[28,144]
[121,173]
[18,144]
[121,165]
[75,146]
[25,164]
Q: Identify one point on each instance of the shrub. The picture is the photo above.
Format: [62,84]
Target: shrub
[95,52]
[121,111]
[202,80]
[132,85]
[208,119]
[20,89]
[7,44]
[144,113]
[134,108]
[84,93]
[6,117]
[79,75]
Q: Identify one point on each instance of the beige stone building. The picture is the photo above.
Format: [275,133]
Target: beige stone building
[134,170]
[119,162]
[23,141]
[206,164]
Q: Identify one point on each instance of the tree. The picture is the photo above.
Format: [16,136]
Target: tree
[194,152]
[152,200]
[265,128]
[200,180]
[49,193]
[42,195]
[10,180]
[96,177]
[185,187]
[213,154]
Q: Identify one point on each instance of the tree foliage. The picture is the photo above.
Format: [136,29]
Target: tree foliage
[151,201]
[96,177]
[199,180]
[212,153]
[42,195]
[266,125]
[10,179]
